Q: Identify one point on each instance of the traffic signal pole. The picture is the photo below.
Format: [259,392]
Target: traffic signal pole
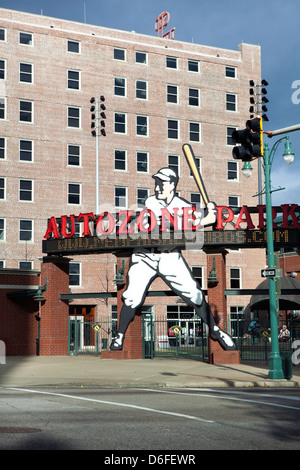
[97,158]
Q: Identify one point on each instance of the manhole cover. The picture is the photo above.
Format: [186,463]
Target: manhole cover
[15,430]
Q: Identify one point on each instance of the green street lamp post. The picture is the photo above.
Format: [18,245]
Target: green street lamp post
[275,369]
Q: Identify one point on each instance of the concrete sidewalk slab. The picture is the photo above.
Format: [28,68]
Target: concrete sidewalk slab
[91,370]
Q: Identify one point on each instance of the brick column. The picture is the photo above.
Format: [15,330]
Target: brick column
[54,312]
[133,342]
[218,304]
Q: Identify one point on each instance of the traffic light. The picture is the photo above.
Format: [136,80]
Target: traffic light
[102,115]
[258,98]
[93,116]
[97,113]
[250,139]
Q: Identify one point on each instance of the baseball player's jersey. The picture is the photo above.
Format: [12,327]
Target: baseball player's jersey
[156,206]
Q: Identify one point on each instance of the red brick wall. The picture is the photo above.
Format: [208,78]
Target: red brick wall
[55,312]
[18,323]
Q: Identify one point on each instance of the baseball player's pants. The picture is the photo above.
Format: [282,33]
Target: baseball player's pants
[173,270]
[143,269]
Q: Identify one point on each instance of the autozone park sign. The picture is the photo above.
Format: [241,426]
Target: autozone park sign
[126,230]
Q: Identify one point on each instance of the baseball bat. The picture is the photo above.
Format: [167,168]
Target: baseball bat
[190,158]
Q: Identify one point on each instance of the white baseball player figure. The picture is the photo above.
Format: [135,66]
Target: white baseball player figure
[147,264]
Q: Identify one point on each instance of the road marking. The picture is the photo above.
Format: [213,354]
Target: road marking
[224,397]
[105,402]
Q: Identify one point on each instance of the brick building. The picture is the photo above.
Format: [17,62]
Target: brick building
[159,93]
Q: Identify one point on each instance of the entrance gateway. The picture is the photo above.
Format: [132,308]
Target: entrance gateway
[215,242]
[150,245]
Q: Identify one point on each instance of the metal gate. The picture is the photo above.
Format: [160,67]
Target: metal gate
[87,336]
[164,338]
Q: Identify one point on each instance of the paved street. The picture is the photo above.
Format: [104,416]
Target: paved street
[173,420]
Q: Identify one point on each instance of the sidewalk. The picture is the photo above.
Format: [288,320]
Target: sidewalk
[33,371]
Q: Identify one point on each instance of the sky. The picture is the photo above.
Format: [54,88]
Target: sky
[272,24]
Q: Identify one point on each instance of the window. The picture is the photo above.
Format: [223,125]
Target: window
[2,108]
[142,162]
[73,79]
[230,102]
[173,162]
[74,193]
[141,90]
[2,148]
[73,46]
[119,54]
[26,111]
[2,229]
[2,69]
[26,73]
[229,135]
[25,38]
[142,125]
[198,274]
[142,195]
[230,72]
[232,171]
[171,62]
[74,155]
[233,201]
[2,188]
[120,159]
[141,58]
[193,66]
[173,129]
[121,197]
[120,86]
[2,34]
[120,123]
[172,94]
[26,190]
[235,278]
[196,200]
[73,117]
[25,265]
[74,274]
[194,97]
[237,321]
[25,230]
[26,150]
[195,132]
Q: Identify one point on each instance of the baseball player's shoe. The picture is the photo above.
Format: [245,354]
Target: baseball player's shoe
[117,343]
[223,339]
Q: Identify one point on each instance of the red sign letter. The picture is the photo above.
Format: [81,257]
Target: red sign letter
[289,212]
[111,223]
[52,228]
[64,226]
[143,217]
[170,217]
[86,229]
[244,211]
[220,220]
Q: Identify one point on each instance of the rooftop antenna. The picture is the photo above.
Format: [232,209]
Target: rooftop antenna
[84,13]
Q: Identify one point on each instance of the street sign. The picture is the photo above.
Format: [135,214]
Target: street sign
[268,272]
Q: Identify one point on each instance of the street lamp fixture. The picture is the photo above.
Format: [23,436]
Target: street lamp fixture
[288,154]
[247,169]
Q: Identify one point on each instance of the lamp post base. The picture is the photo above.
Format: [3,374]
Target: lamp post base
[275,369]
